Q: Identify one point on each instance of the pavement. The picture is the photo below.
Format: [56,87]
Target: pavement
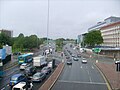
[109,71]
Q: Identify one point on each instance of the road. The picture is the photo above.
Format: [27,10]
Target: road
[80,76]
[4,82]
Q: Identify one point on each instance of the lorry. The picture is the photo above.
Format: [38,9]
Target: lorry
[39,61]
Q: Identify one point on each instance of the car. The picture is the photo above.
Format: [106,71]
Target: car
[16,53]
[22,86]
[73,55]
[30,70]
[67,57]
[78,55]
[75,58]
[84,60]
[46,70]
[38,77]
[16,79]
[49,64]
[23,66]
[69,62]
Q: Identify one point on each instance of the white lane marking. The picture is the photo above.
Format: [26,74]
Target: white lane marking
[92,67]
[96,83]
[90,79]
[81,67]
[88,72]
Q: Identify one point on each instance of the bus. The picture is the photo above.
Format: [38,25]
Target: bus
[1,68]
[25,58]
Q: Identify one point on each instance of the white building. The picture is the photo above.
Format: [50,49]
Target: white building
[111,35]
[106,21]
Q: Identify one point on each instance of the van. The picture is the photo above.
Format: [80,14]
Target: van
[16,79]
[22,86]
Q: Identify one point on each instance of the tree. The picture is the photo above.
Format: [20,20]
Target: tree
[4,39]
[93,38]
[18,42]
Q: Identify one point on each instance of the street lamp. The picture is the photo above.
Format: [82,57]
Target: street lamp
[48,22]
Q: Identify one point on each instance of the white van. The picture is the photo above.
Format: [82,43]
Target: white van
[22,86]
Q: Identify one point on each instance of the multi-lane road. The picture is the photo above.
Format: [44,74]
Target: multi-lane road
[79,76]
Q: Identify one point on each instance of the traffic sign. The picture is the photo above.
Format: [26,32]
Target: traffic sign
[97,50]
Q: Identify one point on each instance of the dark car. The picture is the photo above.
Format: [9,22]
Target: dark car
[16,79]
[16,53]
[67,57]
[69,62]
[78,55]
[38,77]
[75,58]
[46,70]
[30,70]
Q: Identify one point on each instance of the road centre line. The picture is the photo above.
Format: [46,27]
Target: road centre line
[96,83]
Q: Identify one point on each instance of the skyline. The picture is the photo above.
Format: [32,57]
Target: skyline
[68,18]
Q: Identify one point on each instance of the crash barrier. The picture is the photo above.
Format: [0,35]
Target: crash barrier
[53,78]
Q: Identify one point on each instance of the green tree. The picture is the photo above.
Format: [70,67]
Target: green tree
[4,39]
[93,38]
[18,42]
[59,43]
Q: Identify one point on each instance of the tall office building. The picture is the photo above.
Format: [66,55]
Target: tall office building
[7,32]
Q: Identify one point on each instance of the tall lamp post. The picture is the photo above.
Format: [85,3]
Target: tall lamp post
[48,21]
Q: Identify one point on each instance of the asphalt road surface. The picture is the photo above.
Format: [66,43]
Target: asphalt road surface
[79,76]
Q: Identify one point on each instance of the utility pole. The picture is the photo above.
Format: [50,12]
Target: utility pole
[48,22]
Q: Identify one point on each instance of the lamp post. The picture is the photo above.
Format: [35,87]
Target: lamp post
[48,21]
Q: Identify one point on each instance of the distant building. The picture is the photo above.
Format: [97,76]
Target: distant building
[106,21]
[7,32]
[111,34]
[80,39]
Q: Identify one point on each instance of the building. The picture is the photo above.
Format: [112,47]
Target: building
[111,35]
[80,40]
[7,32]
[106,21]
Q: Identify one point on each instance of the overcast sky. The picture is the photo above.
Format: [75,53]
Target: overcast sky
[67,18]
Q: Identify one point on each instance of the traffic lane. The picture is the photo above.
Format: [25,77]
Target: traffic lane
[94,74]
[69,85]
[74,73]
[5,80]
[78,77]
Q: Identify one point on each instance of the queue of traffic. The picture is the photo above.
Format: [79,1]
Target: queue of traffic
[71,56]
[33,70]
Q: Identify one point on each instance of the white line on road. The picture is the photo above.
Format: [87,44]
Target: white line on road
[92,67]
[81,67]
[96,83]
[88,72]
[90,79]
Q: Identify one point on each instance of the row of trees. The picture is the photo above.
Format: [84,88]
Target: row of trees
[21,42]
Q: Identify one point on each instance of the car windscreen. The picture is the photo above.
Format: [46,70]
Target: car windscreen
[13,78]
[36,75]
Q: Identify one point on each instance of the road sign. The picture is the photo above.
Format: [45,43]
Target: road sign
[97,50]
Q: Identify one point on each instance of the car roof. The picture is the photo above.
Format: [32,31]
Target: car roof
[38,73]
[17,75]
[24,64]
